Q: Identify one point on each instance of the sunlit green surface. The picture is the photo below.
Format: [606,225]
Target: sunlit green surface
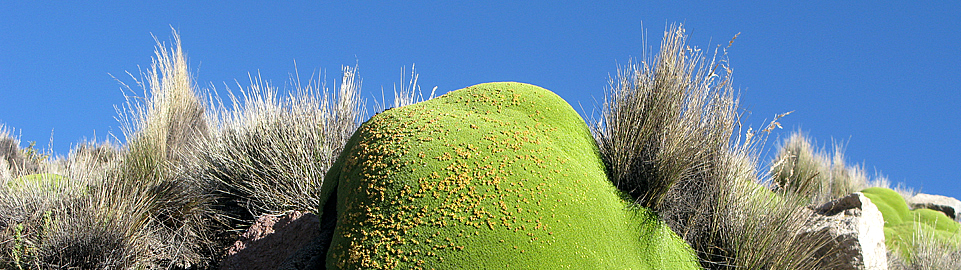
[493,176]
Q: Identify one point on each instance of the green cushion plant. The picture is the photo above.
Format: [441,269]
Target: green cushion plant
[902,226]
[42,181]
[493,176]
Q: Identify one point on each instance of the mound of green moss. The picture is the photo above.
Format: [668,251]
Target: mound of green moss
[43,181]
[493,176]
[902,226]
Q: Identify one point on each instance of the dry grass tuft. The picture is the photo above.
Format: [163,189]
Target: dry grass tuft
[14,161]
[272,152]
[665,121]
[169,197]
[127,207]
[162,132]
[816,175]
[667,138]
[411,92]
[48,220]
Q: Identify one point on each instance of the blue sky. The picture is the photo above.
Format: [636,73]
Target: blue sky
[883,78]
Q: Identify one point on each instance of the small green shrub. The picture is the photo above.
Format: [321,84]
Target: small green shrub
[22,249]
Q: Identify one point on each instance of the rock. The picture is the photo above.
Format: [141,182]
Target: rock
[947,205]
[314,254]
[274,241]
[307,257]
[857,229]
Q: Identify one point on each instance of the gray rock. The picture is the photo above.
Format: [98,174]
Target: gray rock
[856,229]
[947,205]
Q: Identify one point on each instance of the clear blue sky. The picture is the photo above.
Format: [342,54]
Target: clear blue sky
[882,77]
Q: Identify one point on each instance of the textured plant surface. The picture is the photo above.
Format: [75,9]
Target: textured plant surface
[497,175]
[904,227]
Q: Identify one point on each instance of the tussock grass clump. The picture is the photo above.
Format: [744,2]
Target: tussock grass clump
[126,207]
[75,234]
[169,196]
[47,220]
[663,119]
[815,174]
[90,159]
[16,161]
[271,152]
[410,93]
[666,137]
[162,133]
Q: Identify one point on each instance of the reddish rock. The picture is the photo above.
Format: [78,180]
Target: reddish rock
[271,240]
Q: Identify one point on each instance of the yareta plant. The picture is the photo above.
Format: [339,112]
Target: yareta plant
[496,175]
